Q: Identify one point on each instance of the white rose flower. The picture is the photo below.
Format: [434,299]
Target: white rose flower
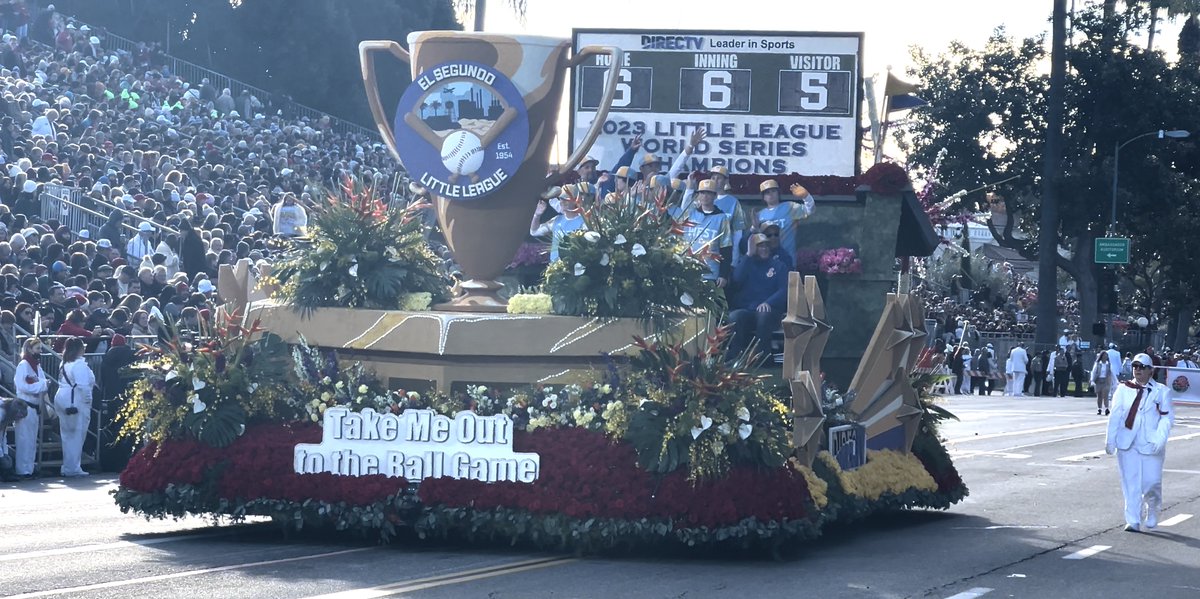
[592,236]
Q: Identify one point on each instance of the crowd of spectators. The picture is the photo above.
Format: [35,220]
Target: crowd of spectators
[185,178]
[190,176]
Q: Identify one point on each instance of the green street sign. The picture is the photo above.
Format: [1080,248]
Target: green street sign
[1112,250]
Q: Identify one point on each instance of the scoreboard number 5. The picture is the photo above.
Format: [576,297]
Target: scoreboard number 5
[815,90]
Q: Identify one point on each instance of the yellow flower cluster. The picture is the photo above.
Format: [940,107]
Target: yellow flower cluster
[416,302]
[885,472]
[616,417]
[817,487]
[530,303]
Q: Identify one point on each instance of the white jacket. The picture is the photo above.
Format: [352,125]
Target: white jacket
[1151,425]
[27,391]
[79,394]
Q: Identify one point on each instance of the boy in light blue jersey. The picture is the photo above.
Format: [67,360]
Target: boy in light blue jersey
[570,218]
[738,223]
[706,230]
[785,215]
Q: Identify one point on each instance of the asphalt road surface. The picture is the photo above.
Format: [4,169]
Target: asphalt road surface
[1043,520]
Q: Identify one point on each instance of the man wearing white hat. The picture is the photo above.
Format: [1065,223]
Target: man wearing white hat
[1138,428]
[141,245]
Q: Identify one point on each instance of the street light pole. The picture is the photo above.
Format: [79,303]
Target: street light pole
[1162,134]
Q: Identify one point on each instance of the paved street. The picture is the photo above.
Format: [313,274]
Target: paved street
[1043,520]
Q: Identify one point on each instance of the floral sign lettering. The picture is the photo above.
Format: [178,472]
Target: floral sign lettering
[417,444]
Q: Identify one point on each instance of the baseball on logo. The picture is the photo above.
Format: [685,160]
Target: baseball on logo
[462,153]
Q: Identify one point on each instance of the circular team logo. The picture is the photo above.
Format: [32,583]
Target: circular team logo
[1181,384]
[461,130]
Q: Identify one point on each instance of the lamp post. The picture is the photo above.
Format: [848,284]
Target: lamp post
[1162,134]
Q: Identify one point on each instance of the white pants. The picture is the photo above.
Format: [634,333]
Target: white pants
[26,430]
[1018,384]
[73,429]
[1141,483]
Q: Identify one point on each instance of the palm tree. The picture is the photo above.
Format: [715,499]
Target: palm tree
[436,104]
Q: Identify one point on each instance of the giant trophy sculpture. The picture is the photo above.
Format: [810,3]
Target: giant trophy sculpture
[475,129]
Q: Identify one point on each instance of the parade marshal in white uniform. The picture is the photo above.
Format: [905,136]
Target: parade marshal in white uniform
[1138,428]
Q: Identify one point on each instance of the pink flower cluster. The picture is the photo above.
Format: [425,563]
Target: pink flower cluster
[840,261]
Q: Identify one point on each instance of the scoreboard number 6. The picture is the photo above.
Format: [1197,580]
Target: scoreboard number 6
[714,90]
[624,93]
[634,88]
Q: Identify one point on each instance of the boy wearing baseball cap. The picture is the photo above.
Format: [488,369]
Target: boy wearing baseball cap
[728,203]
[1138,428]
[784,215]
[707,231]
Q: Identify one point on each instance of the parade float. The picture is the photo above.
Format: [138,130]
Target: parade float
[354,390]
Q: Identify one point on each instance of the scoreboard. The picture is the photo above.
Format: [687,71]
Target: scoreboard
[771,103]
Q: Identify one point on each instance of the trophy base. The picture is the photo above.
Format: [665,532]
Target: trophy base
[478,296]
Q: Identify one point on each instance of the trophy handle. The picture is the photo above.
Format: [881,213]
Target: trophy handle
[610,91]
[372,88]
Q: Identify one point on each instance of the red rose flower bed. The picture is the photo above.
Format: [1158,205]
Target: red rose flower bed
[590,494]
[585,475]
[257,465]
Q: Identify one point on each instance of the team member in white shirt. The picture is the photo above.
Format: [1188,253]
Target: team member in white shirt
[1142,415]
[30,382]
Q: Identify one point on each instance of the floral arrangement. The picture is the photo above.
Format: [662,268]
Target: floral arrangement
[207,390]
[819,186]
[1181,384]
[362,254]
[531,254]
[322,384]
[530,303]
[886,178]
[630,261]
[697,410]
[840,261]
[808,261]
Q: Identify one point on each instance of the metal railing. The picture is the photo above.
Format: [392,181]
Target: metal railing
[194,73]
[69,205]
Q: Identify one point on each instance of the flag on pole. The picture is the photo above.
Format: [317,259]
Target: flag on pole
[900,94]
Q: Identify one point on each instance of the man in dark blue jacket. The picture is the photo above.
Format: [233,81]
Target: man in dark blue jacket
[761,298]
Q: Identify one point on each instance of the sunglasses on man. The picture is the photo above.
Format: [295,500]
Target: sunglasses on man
[1139,365]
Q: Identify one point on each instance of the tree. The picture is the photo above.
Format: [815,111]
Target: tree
[305,48]
[988,111]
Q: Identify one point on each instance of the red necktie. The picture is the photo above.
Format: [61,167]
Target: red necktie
[1137,402]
